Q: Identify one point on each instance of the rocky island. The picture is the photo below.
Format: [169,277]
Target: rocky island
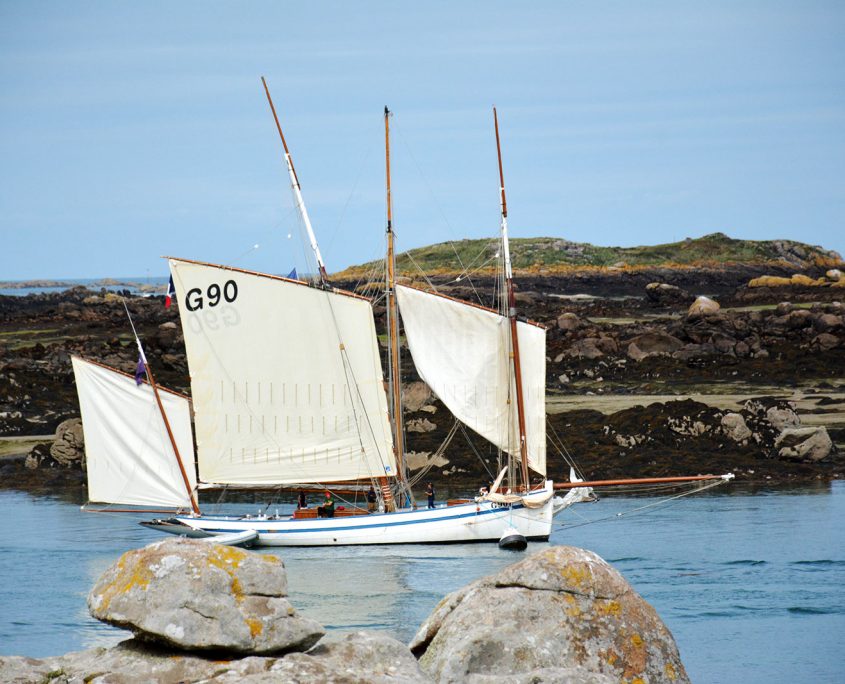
[708,355]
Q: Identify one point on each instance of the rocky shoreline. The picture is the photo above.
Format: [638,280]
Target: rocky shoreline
[204,612]
[613,337]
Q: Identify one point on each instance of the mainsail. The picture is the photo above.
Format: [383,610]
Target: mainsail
[286,379]
[129,456]
[463,354]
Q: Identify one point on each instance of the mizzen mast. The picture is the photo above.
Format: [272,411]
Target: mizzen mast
[511,313]
[154,386]
[393,322]
[297,192]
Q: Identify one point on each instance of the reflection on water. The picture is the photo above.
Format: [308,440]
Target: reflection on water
[749,584]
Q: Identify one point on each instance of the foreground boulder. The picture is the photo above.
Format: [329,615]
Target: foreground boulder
[195,595]
[358,657]
[563,614]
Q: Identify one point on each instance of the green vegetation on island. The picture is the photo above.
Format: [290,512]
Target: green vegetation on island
[547,255]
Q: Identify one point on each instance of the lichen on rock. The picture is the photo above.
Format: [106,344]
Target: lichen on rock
[563,614]
[196,595]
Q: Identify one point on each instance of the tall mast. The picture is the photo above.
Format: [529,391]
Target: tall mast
[393,320]
[517,369]
[297,192]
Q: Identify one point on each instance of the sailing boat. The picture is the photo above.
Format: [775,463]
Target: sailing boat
[288,389]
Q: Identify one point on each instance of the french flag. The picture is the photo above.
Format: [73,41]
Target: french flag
[171,290]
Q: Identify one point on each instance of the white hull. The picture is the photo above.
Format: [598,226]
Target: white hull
[471,522]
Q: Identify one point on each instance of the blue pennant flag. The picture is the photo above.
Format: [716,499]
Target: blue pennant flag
[292,274]
[140,370]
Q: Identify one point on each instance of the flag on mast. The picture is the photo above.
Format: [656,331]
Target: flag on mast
[140,370]
[171,290]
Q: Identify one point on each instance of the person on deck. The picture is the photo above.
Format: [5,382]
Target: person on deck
[303,503]
[327,509]
[429,490]
[371,499]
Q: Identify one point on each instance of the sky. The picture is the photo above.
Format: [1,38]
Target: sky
[132,130]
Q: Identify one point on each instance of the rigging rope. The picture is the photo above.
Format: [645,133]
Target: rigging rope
[451,242]
[443,446]
[639,509]
[475,451]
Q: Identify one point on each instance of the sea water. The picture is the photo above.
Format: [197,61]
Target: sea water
[752,585]
[94,284]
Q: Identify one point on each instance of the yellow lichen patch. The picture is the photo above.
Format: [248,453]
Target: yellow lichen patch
[255,626]
[637,680]
[610,657]
[610,608]
[226,557]
[126,580]
[634,655]
[237,589]
[769,281]
[801,279]
[271,559]
[574,575]
[573,610]
[669,669]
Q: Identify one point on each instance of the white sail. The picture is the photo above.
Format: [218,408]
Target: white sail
[128,454]
[462,352]
[286,379]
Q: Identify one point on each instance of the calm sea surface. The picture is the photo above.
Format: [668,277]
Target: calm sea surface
[751,585]
[91,283]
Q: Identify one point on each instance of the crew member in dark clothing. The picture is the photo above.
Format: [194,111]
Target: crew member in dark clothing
[303,503]
[327,509]
[429,490]
[371,499]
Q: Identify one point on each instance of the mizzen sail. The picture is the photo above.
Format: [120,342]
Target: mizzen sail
[128,454]
[286,379]
[462,352]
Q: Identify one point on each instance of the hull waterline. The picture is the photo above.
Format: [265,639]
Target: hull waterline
[482,521]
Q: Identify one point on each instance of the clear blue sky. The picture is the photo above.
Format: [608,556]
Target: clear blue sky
[129,130]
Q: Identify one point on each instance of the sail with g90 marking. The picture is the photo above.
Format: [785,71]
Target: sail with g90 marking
[286,379]
[463,354]
[128,454]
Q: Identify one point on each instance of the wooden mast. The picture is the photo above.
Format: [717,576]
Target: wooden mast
[517,369]
[152,382]
[150,377]
[297,191]
[393,320]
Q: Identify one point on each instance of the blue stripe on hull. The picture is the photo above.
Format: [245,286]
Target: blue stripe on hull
[350,528]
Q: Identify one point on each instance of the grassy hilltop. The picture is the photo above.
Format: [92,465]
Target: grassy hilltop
[546,255]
